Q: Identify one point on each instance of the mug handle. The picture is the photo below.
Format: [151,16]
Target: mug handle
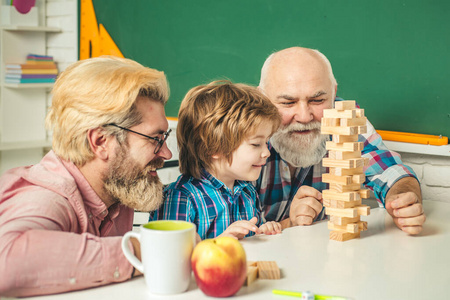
[127,252]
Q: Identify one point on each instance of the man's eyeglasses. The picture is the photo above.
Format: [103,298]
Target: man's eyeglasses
[160,142]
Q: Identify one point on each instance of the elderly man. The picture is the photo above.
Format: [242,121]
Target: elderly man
[301,84]
[61,220]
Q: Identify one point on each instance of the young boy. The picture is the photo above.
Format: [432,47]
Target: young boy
[222,134]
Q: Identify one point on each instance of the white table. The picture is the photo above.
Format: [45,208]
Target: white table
[384,263]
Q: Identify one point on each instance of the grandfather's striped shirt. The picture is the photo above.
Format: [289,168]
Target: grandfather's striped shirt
[208,203]
[276,189]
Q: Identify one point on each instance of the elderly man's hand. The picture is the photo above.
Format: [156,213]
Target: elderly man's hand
[407,212]
[305,206]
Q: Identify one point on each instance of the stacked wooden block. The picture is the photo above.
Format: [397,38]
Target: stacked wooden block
[342,200]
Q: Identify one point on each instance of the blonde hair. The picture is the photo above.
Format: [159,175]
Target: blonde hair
[215,119]
[94,92]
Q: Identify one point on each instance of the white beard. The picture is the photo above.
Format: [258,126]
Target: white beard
[300,150]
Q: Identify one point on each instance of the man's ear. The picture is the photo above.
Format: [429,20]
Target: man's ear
[99,142]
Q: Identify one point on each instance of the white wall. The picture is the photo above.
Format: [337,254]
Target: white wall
[434,174]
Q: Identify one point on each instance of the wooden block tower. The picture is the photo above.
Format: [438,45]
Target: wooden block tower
[342,200]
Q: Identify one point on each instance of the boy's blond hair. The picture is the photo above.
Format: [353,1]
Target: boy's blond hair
[94,92]
[215,119]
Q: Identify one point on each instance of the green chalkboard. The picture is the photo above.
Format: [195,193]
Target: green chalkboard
[391,56]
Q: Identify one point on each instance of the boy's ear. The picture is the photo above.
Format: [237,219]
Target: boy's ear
[215,156]
[99,143]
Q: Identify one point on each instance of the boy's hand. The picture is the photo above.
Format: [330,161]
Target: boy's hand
[239,229]
[270,228]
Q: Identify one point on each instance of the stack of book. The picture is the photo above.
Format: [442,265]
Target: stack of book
[37,69]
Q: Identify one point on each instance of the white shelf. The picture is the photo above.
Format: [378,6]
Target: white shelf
[24,145]
[28,85]
[443,150]
[30,28]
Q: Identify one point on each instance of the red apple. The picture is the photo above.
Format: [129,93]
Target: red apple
[220,266]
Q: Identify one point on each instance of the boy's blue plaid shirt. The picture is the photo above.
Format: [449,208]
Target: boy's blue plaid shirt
[208,203]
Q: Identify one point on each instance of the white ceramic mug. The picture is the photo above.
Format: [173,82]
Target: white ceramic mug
[166,248]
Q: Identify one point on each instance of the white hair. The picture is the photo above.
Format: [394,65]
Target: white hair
[268,61]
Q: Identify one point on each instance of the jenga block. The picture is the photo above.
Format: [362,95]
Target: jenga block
[347,228]
[351,227]
[341,188]
[336,138]
[327,122]
[364,193]
[343,236]
[330,178]
[344,220]
[334,113]
[334,195]
[363,210]
[358,178]
[252,274]
[268,270]
[344,155]
[343,105]
[342,172]
[342,212]
[340,130]
[340,204]
[351,146]
[362,129]
[251,263]
[366,161]
[359,113]
[345,164]
[352,122]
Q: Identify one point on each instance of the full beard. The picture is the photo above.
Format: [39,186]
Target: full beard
[126,182]
[300,150]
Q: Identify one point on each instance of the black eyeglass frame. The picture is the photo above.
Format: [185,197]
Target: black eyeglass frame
[160,141]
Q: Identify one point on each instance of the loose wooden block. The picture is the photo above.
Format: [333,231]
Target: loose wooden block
[336,138]
[341,188]
[345,164]
[347,196]
[342,212]
[252,274]
[344,220]
[343,105]
[364,193]
[340,204]
[352,122]
[350,146]
[268,270]
[342,172]
[341,236]
[251,263]
[343,155]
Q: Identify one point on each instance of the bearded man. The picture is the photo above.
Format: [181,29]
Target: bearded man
[301,84]
[61,220]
